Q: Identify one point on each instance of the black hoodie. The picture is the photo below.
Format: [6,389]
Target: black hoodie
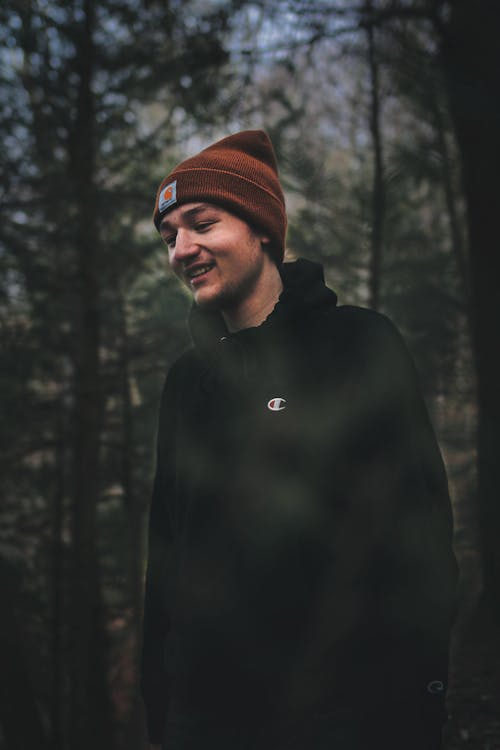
[300,558]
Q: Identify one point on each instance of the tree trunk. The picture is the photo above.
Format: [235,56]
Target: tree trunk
[135,511]
[58,698]
[91,724]
[21,724]
[378,189]
[451,202]
[471,55]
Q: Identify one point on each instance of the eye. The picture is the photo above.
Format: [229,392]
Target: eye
[203,226]
[169,241]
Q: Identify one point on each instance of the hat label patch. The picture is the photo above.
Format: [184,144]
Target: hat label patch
[168,196]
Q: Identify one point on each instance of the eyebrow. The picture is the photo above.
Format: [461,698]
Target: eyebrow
[164,224]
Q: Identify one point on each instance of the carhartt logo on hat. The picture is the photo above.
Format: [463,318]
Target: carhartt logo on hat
[168,196]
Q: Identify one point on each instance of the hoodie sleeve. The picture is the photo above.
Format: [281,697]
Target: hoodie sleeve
[413,572]
[156,623]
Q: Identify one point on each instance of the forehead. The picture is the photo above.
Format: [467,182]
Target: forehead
[187,211]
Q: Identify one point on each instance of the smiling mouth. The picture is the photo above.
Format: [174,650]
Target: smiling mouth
[195,273]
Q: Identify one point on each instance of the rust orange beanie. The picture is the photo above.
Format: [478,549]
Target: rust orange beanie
[238,173]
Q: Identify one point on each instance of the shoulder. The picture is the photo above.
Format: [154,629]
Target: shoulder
[187,361]
[368,346]
[364,319]
[180,381]
[180,374]
[362,329]
[186,364]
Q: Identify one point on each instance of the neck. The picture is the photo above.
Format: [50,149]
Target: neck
[255,309]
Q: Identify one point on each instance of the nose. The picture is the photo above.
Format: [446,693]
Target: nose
[185,248]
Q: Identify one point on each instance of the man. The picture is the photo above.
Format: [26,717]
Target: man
[300,584]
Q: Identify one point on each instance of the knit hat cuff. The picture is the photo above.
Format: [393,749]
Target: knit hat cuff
[218,187]
[233,175]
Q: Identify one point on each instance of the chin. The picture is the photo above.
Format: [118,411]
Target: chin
[210,301]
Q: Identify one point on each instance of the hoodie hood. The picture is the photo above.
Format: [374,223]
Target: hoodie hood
[304,291]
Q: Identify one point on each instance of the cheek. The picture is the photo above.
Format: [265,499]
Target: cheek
[174,268]
[171,263]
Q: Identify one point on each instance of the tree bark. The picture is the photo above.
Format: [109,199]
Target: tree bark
[451,202]
[57,625]
[378,189]
[21,724]
[471,56]
[135,510]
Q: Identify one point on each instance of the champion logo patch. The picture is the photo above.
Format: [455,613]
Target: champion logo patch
[168,196]
[276,404]
[436,686]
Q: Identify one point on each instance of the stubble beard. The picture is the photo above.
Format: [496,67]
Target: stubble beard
[234,294]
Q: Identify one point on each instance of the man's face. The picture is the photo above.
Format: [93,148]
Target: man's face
[216,254]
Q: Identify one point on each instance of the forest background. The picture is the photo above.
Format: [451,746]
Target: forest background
[385,115]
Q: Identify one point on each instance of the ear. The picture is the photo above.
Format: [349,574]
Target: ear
[264,240]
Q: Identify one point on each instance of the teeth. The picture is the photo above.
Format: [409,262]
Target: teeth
[199,271]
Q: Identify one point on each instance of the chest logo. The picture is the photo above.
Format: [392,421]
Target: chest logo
[436,686]
[276,404]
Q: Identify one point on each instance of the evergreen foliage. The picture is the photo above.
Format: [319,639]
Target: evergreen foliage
[93,96]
